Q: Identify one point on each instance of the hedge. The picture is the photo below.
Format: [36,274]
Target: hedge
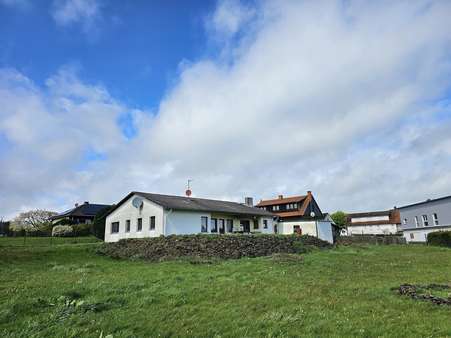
[440,238]
[219,246]
[82,229]
[371,239]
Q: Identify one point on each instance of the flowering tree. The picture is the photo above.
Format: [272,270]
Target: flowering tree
[33,219]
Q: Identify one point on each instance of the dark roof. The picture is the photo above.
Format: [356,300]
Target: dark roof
[197,204]
[370,213]
[425,202]
[83,210]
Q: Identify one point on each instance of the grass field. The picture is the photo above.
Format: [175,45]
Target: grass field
[66,290]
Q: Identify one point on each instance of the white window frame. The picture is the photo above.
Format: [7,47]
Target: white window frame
[435,218]
[152,219]
[137,224]
[417,224]
[118,227]
[425,220]
[202,218]
[127,225]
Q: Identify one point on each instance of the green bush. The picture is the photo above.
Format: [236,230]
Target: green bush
[440,238]
[217,246]
[81,229]
[98,224]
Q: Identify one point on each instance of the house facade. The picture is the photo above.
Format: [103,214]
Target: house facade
[83,213]
[421,218]
[141,215]
[374,223]
[299,214]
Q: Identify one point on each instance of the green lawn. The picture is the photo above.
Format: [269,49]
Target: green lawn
[68,291]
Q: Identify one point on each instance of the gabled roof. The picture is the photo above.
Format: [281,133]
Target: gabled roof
[83,210]
[196,204]
[283,200]
[303,210]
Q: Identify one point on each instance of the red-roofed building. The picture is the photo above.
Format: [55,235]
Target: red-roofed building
[299,214]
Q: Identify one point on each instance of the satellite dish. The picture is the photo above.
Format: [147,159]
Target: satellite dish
[312,214]
[137,202]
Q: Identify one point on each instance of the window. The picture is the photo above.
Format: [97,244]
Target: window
[275,208]
[265,224]
[416,222]
[152,223]
[214,225]
[114,227]
[255,225]
[435,218]
[139,226]
[405,221]
[204,224]
[229,225]
[221,225]
[425,220]
[127,225]
[297,229]
[411,235]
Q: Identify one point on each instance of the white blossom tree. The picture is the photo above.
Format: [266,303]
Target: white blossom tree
[33,219]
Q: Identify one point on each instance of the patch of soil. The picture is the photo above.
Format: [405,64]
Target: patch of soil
[427,293]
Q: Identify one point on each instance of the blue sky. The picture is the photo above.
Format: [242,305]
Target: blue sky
[349,99]
[134,49]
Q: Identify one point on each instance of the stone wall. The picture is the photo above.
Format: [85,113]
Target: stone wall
[219,246]
[371,239]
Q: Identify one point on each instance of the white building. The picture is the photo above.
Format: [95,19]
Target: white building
[374,223]
[419,219]
[141,215]
[299,214]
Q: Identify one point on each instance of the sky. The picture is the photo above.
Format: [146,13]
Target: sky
[348,99]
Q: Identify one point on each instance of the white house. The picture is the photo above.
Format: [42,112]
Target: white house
[141,215]
[299,214]
[374,223]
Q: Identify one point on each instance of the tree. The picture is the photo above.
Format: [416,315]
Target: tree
[34,219]
[98,224]
[339,218]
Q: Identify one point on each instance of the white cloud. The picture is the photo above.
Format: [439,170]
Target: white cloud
[84,12]
[343,99]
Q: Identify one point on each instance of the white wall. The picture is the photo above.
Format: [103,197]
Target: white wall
[376,229]
[325,231]
[307,227]
[420,235]
[128,212]
[370,219]
[180,222]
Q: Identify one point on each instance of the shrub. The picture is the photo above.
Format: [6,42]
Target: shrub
[82,229]
[440,238]
[218,246]
[98,224]
[62,231]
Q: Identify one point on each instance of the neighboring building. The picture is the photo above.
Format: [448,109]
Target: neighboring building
[421,218]
[374,223]
[4,228]
[83,213]
[299,214]
[140,215]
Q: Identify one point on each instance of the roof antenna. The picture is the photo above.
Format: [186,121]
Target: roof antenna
[188,191]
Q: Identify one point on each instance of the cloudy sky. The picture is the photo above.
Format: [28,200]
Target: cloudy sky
[349,99]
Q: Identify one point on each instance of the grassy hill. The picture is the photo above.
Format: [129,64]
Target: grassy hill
[66,290]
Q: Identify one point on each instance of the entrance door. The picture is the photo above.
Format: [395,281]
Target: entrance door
[246,224]
[221,226]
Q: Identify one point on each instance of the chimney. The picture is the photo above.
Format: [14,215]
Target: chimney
[280,197]
[309,193]
[249,201]
[86,202]
[76,204]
